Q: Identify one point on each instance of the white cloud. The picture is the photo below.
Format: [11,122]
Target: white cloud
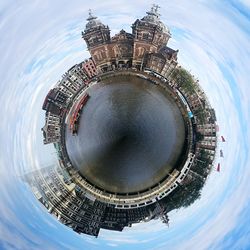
[44,41]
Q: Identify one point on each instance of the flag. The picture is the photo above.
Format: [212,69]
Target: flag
[218,167]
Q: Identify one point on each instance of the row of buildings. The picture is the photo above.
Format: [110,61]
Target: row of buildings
[145,47]
[204,127]
[56,101]
[65,200]
[111,218]
[145,50]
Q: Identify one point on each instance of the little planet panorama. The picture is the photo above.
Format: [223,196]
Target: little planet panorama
[134,132]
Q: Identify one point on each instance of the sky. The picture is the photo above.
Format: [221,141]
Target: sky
[40,40]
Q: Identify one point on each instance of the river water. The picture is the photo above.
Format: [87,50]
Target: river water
[130,135]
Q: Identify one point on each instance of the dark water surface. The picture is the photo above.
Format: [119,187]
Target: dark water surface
[130,135]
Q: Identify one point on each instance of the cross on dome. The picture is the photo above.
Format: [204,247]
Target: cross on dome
[91,17]
[154,11]
[155,8]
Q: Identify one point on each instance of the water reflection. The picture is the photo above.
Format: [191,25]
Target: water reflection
[130,135]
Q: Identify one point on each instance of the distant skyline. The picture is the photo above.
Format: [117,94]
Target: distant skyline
[41,40]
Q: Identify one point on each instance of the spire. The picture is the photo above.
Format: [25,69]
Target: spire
[153,17]
[93,22]
[156,7]
[154,10]
[91,17]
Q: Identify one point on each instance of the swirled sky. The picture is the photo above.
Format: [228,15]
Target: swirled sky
[40,40]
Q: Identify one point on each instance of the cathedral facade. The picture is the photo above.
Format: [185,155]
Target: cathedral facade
[145,47]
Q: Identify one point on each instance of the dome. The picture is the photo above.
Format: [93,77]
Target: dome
[93,22]
[164,28]
[130,136]
[153,18]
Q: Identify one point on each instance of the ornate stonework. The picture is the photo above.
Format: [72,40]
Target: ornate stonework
[142,48]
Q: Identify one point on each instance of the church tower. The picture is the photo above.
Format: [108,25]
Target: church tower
[150,35]
[97,38]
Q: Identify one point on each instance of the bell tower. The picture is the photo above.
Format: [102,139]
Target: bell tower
[97,38]
[150,35]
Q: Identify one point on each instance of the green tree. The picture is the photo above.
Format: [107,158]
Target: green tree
[183,79]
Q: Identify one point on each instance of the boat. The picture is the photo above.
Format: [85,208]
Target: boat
[74,120]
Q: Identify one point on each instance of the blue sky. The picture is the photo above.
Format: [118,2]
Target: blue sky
[40,40]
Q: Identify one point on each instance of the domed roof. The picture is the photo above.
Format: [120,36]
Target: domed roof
[93,22]
[153,18]
[164,27]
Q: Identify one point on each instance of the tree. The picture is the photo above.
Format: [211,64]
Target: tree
[183,79]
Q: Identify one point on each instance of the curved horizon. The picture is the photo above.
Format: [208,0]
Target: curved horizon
[41,40]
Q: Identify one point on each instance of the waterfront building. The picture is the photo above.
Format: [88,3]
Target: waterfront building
[97,38]
[51,129]
[208,129]
[144,47]
[54,98]
[77,74]
[88,193]
[53,187]
[89,67]
[150,35]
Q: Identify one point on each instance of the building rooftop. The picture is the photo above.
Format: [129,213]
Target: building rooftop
[153,17]
[93,22]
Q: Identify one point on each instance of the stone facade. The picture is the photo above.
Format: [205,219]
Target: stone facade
[62,190]
[51,129]
[144,47]
[53,187]
[54,190]
[150,35]
[58,98]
